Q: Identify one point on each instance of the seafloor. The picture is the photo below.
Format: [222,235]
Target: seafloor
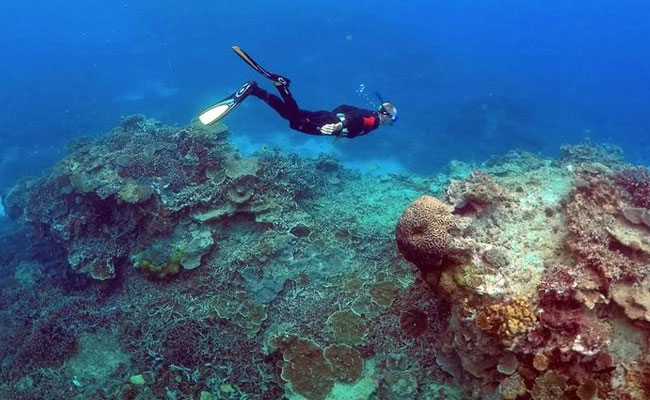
[156,263]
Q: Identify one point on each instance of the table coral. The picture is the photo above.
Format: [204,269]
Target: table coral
[305,367]
[347,327]
[346,362]
[383,293]
[633,298]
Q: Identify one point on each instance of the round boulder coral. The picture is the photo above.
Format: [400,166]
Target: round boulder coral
[422,231]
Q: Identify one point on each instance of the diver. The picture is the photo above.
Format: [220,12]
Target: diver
[343,121]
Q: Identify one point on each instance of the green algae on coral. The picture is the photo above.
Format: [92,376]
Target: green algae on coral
[169,267]
[185,249]
[133,192]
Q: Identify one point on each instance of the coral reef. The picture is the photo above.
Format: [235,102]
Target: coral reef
[543,261]
[192,272]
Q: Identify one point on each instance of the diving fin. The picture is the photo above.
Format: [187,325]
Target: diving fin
[277,80]
[219,110]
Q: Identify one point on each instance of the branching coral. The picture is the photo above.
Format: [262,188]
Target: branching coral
[572,333]
[568,285]
[590,212]
[638,380]
[588,151]
[49,345]
[414,322]
[182,344]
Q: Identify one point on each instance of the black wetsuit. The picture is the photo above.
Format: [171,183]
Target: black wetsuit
[356,121]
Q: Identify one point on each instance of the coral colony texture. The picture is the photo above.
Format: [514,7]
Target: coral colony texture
[157,263]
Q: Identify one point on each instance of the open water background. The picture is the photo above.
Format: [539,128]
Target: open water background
[471,78]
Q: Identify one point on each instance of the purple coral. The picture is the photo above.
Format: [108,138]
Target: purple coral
[636,182]
[49,345]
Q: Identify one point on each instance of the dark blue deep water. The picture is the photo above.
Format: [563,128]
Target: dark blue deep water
[470,78]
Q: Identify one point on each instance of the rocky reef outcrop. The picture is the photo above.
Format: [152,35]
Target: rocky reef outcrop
[547,274]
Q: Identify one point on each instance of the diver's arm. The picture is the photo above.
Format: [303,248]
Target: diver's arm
[331,129]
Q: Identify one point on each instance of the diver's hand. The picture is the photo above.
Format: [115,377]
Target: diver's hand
[330,129]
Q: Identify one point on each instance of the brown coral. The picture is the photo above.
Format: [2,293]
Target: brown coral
[383,293]
[422,232]
[312,371]
[507,320]
[347,327]
[346,362]
[512,387]
[305,368]
[634,299]
[550,386]
[588,390]
[414,322]
[540,362]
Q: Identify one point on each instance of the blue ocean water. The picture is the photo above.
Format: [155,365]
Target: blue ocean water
[470,79]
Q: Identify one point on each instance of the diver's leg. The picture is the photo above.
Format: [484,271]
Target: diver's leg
[285,110]
[288,99]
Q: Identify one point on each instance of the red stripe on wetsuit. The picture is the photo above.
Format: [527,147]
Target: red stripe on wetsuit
[369,123]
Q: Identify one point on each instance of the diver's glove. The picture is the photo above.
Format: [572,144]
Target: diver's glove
[331,129]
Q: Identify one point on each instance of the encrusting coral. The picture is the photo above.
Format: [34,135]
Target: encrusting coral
[507,320]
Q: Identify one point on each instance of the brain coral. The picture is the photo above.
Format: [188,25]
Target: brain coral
[422,231]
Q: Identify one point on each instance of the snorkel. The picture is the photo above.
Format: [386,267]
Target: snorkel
[387,108]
